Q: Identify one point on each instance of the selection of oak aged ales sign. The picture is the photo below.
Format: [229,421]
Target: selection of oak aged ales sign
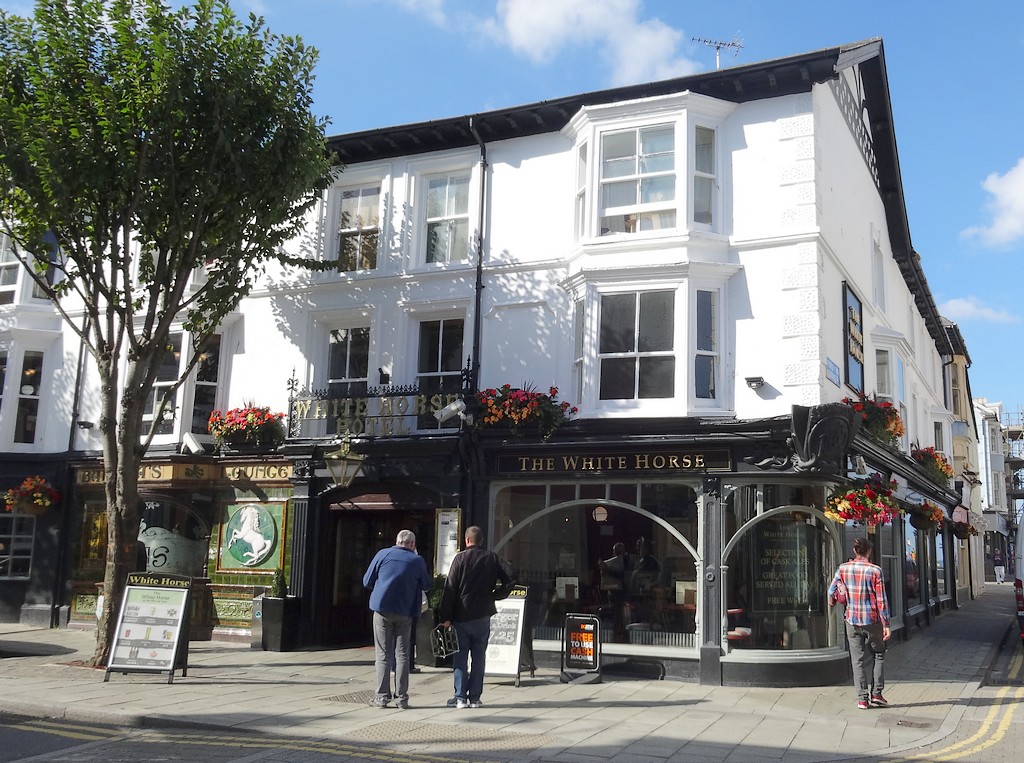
[151,626]
[504,644]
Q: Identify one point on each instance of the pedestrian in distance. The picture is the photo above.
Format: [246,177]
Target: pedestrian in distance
[397,578]
[998,567]
[867,622]
[477,578]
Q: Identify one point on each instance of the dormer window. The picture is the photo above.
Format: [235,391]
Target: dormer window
[638,180]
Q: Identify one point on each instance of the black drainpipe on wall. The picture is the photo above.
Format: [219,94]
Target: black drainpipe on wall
[477,317]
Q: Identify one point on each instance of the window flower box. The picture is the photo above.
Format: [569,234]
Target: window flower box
[33,496]
[519,409]
[880,420]
[247,427]
[867,502]
[934,464]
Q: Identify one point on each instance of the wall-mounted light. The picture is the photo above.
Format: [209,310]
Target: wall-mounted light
[84,424]
[344,464]
[755,382]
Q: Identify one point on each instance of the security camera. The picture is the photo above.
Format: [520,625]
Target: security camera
[450,411]
[192,444]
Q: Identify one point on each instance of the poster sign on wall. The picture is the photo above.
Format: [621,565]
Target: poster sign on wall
[446,545]
[251,537]
[152,627]
[504,645]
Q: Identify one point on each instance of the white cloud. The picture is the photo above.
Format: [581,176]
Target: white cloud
[431,9]
[635,50]
[972,308]
[1006,208]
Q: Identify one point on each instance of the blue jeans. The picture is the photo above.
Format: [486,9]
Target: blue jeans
[473,635]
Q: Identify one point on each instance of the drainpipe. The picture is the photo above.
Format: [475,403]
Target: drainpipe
[477,317]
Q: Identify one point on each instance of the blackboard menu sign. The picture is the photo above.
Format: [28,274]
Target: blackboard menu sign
[785,568]
[152,622]
[506,637]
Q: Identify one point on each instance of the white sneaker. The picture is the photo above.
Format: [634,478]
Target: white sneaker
[461,703]
[477,703]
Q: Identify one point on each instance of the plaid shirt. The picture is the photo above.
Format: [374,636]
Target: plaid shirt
[865,595]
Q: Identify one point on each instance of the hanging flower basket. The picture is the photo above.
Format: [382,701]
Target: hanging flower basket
[926,516]
[881,420]
[961,530]
[518,409]
[33,496]
[868,502]
[249,427]
[934,464]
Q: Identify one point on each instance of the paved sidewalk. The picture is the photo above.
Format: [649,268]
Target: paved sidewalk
[323,695]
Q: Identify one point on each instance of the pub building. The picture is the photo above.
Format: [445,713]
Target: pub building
[679,282]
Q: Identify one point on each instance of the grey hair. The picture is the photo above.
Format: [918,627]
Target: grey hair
[406,538]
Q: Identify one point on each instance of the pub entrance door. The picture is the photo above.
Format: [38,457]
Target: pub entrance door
[352,537]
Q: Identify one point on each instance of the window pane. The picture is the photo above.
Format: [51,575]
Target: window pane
[704,376]
[706,321]
[704,150]
[619,194]
[458,195]
[617,378]
[25,425]
[702,200]
[31,373]
[438,236]
[658,220]
[359,357]
[459,241]
[618,154]
[170,360]
[618,323]
[451,346]
[657,149]
[882,372]
[662,188]
[430,345]
[208,369]
[203,405]
[656,321]
[437,195]
[657,378]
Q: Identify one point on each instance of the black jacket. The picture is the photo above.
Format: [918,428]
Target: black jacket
[476,579]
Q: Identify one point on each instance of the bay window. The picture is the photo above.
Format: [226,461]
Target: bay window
[636,346]
[703,175]
[28,397]
[705,359]
[638,180]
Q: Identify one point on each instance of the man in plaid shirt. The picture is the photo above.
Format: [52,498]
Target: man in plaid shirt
[867,622]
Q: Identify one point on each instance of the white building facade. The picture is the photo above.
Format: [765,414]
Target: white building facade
[706,268]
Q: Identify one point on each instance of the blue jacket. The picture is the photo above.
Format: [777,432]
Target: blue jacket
[397,578]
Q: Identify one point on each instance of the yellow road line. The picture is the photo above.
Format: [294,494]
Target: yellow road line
[949,753]
[90,737]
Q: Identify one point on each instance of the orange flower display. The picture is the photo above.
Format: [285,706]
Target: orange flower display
[517,408]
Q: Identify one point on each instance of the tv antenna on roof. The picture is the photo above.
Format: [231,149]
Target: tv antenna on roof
[736,43]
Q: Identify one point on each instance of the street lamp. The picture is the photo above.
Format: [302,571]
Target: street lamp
[343,463]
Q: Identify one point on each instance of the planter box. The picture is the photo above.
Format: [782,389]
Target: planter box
[281,623]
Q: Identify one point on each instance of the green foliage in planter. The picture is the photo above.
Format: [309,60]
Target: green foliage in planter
[434,597]
[278,585]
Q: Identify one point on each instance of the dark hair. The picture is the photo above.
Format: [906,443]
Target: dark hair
[862,546]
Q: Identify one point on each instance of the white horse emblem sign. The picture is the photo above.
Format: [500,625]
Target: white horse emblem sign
[250,534]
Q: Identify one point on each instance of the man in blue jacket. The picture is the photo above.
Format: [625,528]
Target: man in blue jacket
[476,579]
[397,578]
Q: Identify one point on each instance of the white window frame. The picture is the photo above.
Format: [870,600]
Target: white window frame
[358,231]
[877,270]
[10,272]
[710,177]
[582,188]
[639,209]
[418,174]
[449,217]
[419,321]
[636,354]
[711,354]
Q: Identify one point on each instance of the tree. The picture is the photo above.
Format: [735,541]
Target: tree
[138,144]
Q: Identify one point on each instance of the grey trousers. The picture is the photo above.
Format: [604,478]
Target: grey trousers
[391,634]
[867,655]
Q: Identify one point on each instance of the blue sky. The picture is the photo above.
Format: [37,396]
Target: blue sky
[953,71]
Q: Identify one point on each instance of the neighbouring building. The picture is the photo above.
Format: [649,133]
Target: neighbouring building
[713,271]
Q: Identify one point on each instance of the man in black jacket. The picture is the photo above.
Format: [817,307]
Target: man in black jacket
[476,579]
